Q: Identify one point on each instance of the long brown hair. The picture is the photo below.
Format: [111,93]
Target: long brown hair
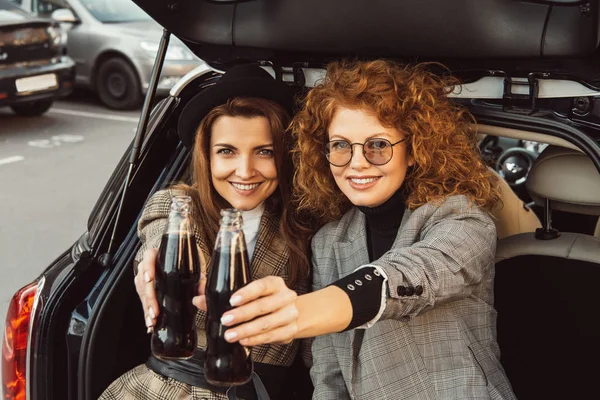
[209,203]
[410,99]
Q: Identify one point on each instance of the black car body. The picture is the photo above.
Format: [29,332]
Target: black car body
[80,325]
[34,67]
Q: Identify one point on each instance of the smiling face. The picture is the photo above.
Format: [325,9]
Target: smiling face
[363,183]
[242,160]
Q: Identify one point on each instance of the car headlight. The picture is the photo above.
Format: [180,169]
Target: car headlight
[174,52]
[57,35]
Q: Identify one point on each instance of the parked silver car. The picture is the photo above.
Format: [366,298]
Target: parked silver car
[113,43]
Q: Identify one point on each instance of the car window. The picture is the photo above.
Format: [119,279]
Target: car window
[110,11]
[16,2]
[9,11]
[46,7]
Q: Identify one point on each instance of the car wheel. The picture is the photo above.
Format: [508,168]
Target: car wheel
[118,85]
[32,109]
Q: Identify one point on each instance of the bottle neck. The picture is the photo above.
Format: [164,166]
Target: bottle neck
[231,236]
[176,218]
[179,214]
[231,220]
[181,205]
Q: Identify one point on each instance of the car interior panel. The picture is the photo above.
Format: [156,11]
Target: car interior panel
[511,215]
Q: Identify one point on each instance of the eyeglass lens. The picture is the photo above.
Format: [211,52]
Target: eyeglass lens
[376,151]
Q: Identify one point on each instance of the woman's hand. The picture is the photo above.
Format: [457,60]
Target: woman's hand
[144,285]
[265,312]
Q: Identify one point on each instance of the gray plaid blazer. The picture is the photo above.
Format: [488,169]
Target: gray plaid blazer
[437,345]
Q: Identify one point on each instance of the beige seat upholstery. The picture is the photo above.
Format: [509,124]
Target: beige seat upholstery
[511,216]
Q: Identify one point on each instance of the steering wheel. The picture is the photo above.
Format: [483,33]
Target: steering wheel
[514,165]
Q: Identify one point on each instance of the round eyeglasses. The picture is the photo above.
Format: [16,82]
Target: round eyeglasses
[377,151]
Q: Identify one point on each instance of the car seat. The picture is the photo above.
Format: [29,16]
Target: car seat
[546,287]
[511,215]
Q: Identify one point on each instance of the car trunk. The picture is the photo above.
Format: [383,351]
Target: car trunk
[115,339]
[475,38]
[472,37]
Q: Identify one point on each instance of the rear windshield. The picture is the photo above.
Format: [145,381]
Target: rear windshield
[112,11]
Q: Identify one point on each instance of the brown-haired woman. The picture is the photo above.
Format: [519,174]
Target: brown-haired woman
[403,270]
[237,130]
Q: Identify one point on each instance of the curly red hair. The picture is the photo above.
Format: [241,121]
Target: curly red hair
[410,99]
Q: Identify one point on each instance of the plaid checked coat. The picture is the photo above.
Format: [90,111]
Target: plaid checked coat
[270,258]
[437,345]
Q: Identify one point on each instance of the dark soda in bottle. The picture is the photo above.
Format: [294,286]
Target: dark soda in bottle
[176,283]
[226,364]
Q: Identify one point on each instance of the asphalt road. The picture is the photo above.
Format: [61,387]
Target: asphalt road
[52,170]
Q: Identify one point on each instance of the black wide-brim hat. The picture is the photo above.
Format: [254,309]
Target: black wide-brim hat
[239,81]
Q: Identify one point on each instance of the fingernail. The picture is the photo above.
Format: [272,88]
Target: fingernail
[149,330]
[146,277]
[235,300]
[149,322]
[229,336]
[225,319]
[151,312]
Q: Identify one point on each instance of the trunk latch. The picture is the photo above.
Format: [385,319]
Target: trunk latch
[514,100]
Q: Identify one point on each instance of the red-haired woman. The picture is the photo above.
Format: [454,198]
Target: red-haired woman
[403,270]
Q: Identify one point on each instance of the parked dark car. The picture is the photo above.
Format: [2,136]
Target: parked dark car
[531,80]
[34,67]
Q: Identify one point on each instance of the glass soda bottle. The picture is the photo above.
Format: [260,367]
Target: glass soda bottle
[176,283]
[226,364]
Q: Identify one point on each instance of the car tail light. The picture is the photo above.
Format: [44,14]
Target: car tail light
[14,346]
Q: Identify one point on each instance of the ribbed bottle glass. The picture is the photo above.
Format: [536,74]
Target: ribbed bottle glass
[176,282]
[227,364]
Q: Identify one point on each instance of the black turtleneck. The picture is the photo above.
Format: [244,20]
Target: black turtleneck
[383,223]
[365,285]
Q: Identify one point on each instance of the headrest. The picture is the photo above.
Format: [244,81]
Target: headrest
[568,178]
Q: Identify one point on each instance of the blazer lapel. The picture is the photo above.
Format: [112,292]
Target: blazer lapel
[271,254]
[351,249]
[350,253]
[402,239]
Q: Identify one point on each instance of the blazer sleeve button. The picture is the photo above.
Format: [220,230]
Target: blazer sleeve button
[410,291]
[401,290]
[419,290]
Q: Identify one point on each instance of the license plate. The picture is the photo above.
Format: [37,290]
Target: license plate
[36,83]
